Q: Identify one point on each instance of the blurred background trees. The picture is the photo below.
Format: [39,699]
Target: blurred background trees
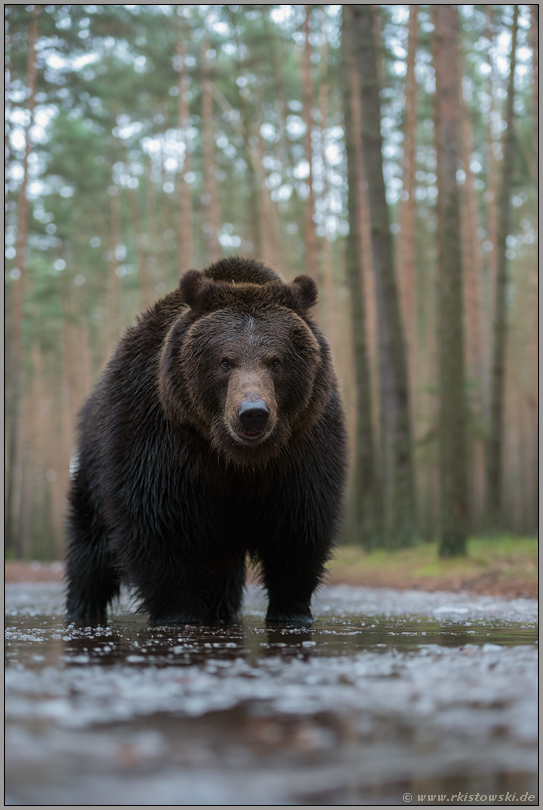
[143,140]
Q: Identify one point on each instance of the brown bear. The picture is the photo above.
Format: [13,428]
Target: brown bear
[216,431]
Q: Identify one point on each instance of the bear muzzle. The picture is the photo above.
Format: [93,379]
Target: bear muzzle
[253,418]
[251,408]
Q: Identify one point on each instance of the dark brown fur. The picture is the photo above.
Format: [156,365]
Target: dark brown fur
[173,490]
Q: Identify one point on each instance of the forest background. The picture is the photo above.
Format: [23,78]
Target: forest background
[142,140]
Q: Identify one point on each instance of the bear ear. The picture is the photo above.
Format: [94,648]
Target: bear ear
[191,286]
[304,292]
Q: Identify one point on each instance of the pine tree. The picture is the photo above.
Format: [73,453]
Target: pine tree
[494,446]
[451,375]
[184,250]
[366,496]
[397,453]
[405,256]
[310,235]
[12,540]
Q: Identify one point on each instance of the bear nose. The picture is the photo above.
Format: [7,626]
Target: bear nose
[253,415]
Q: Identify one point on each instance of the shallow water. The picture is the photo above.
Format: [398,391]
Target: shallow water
[387,694]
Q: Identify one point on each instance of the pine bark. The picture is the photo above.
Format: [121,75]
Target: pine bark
[184,241]
[26,488]
[39,431]
[534,42]
[327,255]
[472,260]
[492,188]
[366,496]
[365,253]
[18,294]
[140,242]
[267,204]
[397,454]
[211,199]
[494,446]
[69,401]
[56,457]
[407,279]
[471,253]
[378,39]
[451,376]
[254,217]
[310,234]
[152,229]
[114,304]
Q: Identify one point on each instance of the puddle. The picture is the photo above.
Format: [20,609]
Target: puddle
[40,640]
[387,693]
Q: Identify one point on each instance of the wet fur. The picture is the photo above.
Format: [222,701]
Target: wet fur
[166,498]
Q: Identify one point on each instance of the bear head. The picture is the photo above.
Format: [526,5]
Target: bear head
[244,364]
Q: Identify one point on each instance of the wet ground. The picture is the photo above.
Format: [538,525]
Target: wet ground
[391,698]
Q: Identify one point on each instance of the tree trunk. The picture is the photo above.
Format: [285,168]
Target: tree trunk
[472,263]
[85,360]
[534,42]
[152,230]
[471,254]
[69,401]
[494,448]
[397,464]
[162,271]
[366,499]
[18,293]
[211,200]
[274,223]
[452,405]
[184,237]
[140,241]
[115,310]
[40,438]
[27,480]
[329,314]
[378,40]
[265,203]
[254,217]
[310,234]
[491,196]
[364,246]
[405,256]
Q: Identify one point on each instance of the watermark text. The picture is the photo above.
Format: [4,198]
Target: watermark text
[443,798]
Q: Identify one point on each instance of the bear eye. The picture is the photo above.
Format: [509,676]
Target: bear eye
[225,364]
[275,364]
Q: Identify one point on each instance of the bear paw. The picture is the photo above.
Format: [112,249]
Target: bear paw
[299,619]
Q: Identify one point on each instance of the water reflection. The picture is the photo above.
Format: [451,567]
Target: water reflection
[289,643]
[129,640]
[185,645]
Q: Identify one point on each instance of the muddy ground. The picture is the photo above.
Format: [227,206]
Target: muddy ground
[512,575]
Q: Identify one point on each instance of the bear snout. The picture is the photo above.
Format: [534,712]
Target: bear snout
[253,417]
[251,407]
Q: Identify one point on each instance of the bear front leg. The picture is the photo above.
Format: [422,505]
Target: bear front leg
[294,551]
[290,581]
